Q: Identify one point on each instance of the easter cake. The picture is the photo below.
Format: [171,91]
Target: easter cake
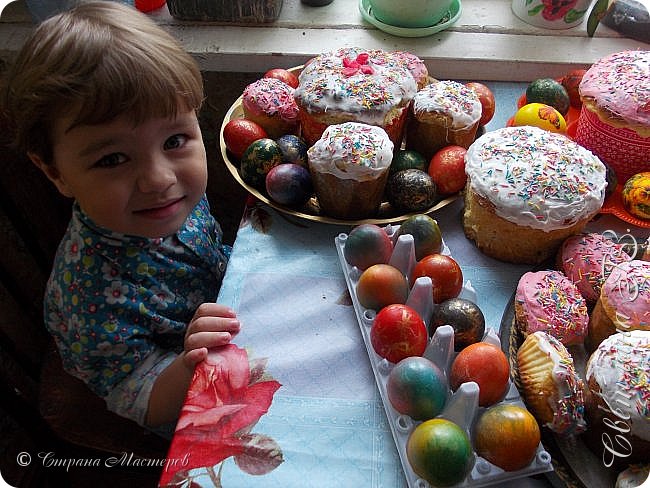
[349,169]
[270,103]
[615,119]
[443,113]
[527,191]
[548,301]
[351,84]
[587,260]
[624,303]
[617,399]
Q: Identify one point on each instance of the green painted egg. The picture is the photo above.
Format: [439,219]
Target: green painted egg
[407,159]
[257,161]
[411,190]
[549,92]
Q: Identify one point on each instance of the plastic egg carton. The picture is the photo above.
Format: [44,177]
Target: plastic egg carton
[461,406]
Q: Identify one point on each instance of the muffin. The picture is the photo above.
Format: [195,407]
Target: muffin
[614,121]
[351,85]
[636,195]
[349,169]
[617,401]
[527,191]
[624,303]
[270,103]
[443,113]
[552,389]
[548,301]
[587,260]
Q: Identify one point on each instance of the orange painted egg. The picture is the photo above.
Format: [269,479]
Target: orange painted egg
[507,435]
[381,285]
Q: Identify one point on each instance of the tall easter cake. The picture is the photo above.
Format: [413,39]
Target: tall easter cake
[443,113]
[527,190]
[349,169]
[615,119]
[349,84]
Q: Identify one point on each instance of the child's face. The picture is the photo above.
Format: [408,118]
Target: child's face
[138,180]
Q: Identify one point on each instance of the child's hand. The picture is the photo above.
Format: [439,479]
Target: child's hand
[212,325]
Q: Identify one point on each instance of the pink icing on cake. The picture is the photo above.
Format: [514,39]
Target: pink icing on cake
[620,83]
[270,96]
[626,295]
[587,260]
[552,303]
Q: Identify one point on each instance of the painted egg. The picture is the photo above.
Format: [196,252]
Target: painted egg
[289,184]
[485,364]
[542,116]
[257,161]
[367,244]
[571,83]
[426,234]
[550,92]
[636,195]
[440,452]
[411,190]
[417,387]
[407,159]
[464,316]
[293,149]
[507,435]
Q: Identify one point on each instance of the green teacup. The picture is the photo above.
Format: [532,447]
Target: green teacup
[410,13]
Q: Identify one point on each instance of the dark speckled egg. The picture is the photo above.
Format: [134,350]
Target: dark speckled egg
[411,190]
[293,149]
[464,316]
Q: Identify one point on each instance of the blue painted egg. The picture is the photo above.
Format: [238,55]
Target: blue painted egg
[293,149]
[289,184]
[417,388]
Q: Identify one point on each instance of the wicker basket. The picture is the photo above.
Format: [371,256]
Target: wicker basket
[240,11]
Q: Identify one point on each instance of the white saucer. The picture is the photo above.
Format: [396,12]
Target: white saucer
[452,16]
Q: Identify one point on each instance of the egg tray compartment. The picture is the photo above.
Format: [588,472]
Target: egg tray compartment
[461,406]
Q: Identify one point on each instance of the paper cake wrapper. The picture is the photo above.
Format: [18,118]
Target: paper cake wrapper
[623,149]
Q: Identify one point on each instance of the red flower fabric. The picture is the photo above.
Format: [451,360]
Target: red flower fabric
[227,396]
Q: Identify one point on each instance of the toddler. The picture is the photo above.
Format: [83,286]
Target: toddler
[105,103]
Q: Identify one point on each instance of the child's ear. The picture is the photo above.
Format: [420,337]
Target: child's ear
[52,173]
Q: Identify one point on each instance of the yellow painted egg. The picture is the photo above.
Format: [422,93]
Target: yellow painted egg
[636,195]
[542,116]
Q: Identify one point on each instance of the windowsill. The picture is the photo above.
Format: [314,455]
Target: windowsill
[488,42]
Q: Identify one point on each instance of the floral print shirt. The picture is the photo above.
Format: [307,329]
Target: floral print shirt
[118,305]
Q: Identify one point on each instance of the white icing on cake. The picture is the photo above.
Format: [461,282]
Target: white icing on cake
[536,178]
[621,367]
[355,82]
[450,98]
[351,151]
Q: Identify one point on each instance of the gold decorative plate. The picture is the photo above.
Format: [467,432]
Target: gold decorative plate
[311,210]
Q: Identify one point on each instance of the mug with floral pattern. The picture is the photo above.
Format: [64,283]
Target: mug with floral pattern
[551,14]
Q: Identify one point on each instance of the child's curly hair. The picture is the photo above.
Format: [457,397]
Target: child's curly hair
[95,62]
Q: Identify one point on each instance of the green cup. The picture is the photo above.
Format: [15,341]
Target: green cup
[409,13]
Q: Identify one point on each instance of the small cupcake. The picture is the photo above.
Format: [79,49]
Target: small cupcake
[624,303]
[552,389]
[270,103]
[349,168]
[587,260]
[443,113]
[548,301]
